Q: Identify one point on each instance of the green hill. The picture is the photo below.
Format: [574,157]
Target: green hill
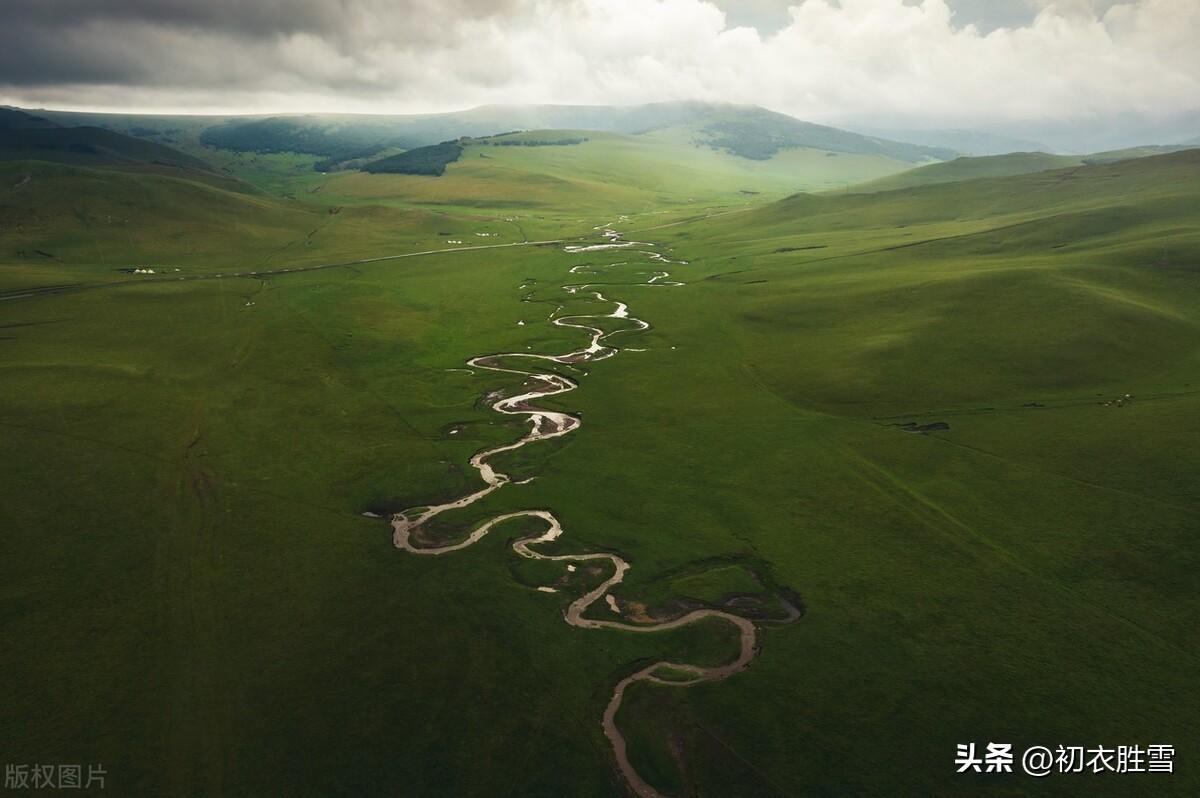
[747,131]
[1012,164]
[1041,540]
[65,223]
[273,152]
[599,172]
[71,219]
[334,140]
[757,133]
[16,119]
[25,137]
[89,146]
[970,168]
[1135,152]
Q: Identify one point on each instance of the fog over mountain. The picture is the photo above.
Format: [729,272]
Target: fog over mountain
[1107,69]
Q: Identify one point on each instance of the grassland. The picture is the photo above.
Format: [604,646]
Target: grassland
[608,173]
[193,597]
[1011,164]
[1007,165]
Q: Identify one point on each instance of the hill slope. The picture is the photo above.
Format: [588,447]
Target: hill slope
[1044,330]
[604,172]
[970,168]
[964,142]
[1012,164]
[1119,234]
[747,131]
[16,119]
[66,223]
[24,136]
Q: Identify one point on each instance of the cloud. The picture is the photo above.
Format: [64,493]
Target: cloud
[828,60]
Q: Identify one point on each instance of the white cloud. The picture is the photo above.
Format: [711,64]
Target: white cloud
[862,59]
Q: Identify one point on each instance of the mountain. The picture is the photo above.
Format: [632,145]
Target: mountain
[966,142]
[1114,132]
[331,137]
[685,151]
[27,137]
[756,133]
[552,170]
[16,119]
[341,141]
[746,131]
[24,136]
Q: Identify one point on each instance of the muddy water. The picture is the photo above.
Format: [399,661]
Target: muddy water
[547,424]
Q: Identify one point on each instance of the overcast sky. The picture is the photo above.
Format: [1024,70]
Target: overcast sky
[898,62]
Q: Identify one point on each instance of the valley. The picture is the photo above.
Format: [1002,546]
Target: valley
[379,479]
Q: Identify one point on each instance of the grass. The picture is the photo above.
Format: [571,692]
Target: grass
[968,168]
[609,171]
[1008,165]
[73,225]
[193,597]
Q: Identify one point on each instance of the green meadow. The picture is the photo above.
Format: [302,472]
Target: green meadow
[195,597]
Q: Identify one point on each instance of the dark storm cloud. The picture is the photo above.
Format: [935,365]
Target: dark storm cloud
[254,18]
[249,17]
[191,43]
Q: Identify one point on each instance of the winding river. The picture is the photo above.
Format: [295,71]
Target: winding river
[546,424]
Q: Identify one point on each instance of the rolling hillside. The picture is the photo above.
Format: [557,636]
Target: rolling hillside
[747,131]
[1132,222]
[16,119]
[1012,164]
[68,224]
[969,397]
[771,153]
[25,137]
[964,142]
[950,416]
[970,168]
[637,173]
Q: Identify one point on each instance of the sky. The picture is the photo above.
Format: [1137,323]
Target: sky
[914,63]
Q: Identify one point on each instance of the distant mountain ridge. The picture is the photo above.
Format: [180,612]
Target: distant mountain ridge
[746,131]
[29,137]
[24,135]
[964,142]
[16,119]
